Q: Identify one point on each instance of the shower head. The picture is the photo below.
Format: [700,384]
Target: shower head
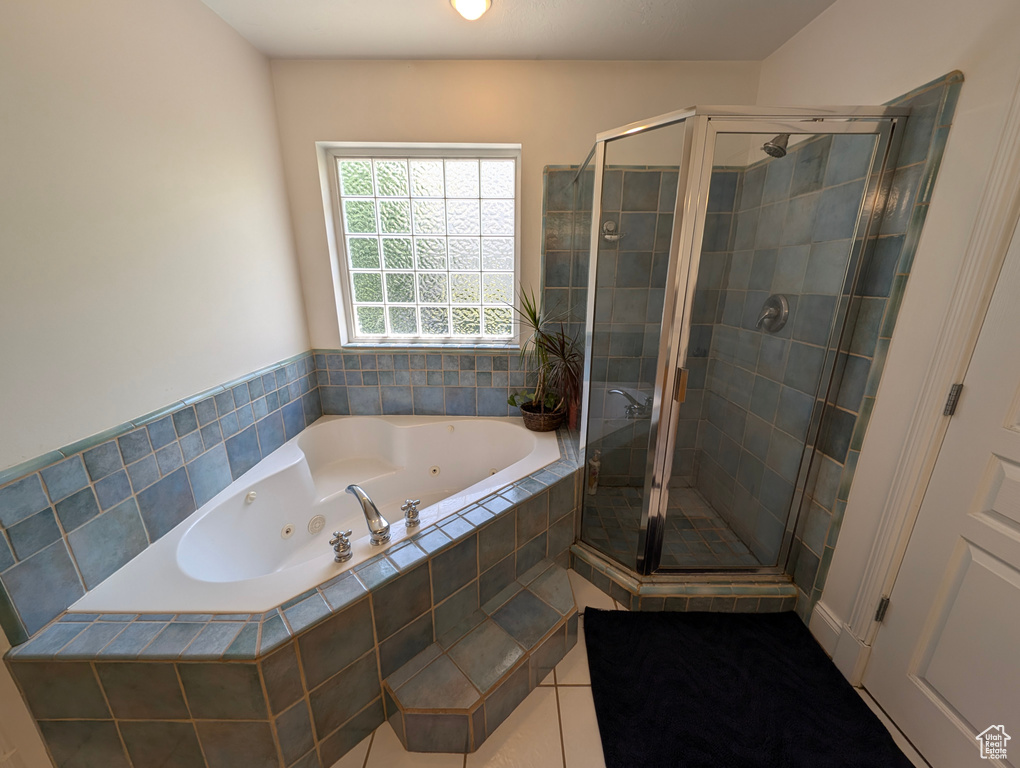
[777,146]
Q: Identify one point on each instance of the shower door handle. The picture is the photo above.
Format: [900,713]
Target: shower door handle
[680,387]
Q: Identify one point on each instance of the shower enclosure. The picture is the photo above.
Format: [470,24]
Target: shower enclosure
[726,249]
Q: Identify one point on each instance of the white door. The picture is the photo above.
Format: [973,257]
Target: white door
[946,661]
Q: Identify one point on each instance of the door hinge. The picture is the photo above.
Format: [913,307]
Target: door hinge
[883,606]
[680,387]
[952,400]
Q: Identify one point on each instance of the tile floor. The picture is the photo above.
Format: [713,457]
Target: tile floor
[555,727]
[696,536]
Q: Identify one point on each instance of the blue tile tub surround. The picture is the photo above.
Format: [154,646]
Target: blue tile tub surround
[69,522]
[885,273]
[302,684]
[399,383]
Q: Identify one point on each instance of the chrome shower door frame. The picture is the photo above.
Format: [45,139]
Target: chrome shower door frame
[676,275]
[690,250]
[699,142]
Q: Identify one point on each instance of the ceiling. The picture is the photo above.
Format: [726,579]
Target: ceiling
[688,30]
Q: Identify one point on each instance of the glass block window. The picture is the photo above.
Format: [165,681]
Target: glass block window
[428,246]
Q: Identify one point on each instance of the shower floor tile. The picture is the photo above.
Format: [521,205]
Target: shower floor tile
[696,536]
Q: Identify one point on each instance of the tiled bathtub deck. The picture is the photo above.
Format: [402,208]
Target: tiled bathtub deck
[554,727]
[459,690]
[297,686]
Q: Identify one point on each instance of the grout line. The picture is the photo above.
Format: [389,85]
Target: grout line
[559,722]
[191,716]
[371,741]
[277,741]
[114,719]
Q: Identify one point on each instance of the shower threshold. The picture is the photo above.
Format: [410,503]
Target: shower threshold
[747,590]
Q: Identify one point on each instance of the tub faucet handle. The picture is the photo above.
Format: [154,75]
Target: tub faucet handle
[410,510]
[341,543]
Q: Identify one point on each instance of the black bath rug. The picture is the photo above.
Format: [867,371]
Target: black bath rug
[718,690]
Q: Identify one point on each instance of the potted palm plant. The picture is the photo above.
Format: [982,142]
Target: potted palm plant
[553,357]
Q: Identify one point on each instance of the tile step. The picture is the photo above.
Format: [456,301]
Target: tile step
[457,691]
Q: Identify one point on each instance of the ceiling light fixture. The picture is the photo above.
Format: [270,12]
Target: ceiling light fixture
[471,9]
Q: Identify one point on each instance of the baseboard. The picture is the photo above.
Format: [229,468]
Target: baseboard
[825,627]
[851,656]
[901,740]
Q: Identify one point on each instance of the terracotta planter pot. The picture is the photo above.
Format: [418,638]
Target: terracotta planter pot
[574,414]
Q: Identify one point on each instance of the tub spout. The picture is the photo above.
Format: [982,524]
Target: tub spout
[377,525]
[634,409]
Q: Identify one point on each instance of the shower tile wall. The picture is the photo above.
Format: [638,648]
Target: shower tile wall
[628,314]
[706,311]
[567,209]
[883,283]
[631,276]
[791,231]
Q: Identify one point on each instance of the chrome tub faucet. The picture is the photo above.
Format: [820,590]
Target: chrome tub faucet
[341,543]
[410,510]
[377,525]
[634,409]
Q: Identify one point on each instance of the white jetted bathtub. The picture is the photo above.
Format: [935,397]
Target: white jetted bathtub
[265,538]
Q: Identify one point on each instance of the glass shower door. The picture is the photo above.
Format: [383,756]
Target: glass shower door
[636,187]
[725,253]
[778,239]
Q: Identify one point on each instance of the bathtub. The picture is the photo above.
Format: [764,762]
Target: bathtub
[265,538]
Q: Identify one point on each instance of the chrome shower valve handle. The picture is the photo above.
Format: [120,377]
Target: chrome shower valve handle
[341,543]
[410,510]
[774,314]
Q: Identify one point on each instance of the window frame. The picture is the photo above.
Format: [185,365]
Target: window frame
[329,154]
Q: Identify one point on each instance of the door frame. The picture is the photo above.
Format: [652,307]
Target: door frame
[849,642]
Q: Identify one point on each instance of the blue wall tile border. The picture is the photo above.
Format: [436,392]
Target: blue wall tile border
[80,446]
[468,381]
[402,381]
[153,460]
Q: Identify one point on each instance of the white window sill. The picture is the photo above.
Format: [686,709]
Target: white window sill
[403,345]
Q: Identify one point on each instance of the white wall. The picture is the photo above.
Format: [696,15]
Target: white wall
[553,108]
[867,52]
[145,247]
